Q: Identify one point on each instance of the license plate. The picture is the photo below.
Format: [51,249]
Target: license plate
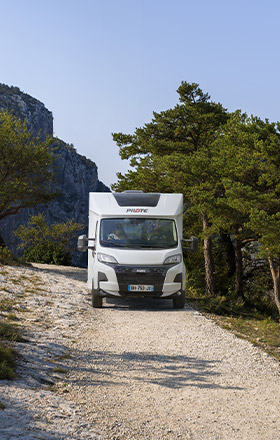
[140,288]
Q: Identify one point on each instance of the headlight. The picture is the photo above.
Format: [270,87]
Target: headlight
[106,259]
[174,259]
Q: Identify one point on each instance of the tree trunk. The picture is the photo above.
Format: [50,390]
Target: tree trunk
[275,273]
[2,243]
[239,277]
[208,260]
[230,254]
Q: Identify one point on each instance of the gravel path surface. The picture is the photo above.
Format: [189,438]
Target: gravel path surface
[132,370]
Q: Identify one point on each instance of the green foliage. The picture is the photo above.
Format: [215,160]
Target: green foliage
[227,167]
[247,159]
[50,244]
[194,263]
[47,252]
[164,151]
[6,256]
[173,154]
[25,167]
[228,304]
[9,332]
[266,224]
[6,304]
[7,363]
[37,230]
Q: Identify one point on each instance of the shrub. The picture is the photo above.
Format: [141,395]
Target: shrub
[10,332]
[44,243]
[7,363]
[6,256]
[47,252]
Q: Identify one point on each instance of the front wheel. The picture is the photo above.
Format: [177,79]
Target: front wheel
[96,301]
[179,301]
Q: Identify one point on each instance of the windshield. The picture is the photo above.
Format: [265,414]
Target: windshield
[138,233]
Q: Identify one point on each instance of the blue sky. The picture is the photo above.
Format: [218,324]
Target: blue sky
[104,66]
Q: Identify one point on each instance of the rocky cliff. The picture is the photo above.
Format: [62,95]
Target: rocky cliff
[28,109]
[75,175]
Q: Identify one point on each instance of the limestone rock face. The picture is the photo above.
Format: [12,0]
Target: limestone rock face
[74,175]
[28,109]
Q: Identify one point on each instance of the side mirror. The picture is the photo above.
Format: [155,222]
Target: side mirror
[82,243]
[193,244]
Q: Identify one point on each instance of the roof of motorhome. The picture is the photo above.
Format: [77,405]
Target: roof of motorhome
[136,203]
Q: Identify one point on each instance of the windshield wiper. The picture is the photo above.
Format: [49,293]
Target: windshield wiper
[147,246]
[140,246]
[111,243]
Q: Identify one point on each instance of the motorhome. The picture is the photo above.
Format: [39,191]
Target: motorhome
[134,246]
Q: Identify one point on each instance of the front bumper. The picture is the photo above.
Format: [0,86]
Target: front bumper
[114,280]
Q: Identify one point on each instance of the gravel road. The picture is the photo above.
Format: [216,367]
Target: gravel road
[131,370]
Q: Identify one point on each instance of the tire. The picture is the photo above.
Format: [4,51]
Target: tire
[96,301]
[179,301]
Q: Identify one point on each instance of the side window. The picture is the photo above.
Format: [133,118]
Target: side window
[174,231]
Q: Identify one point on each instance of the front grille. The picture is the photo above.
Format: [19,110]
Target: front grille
[147,275]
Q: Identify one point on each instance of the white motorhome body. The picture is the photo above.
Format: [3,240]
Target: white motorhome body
[135,246]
